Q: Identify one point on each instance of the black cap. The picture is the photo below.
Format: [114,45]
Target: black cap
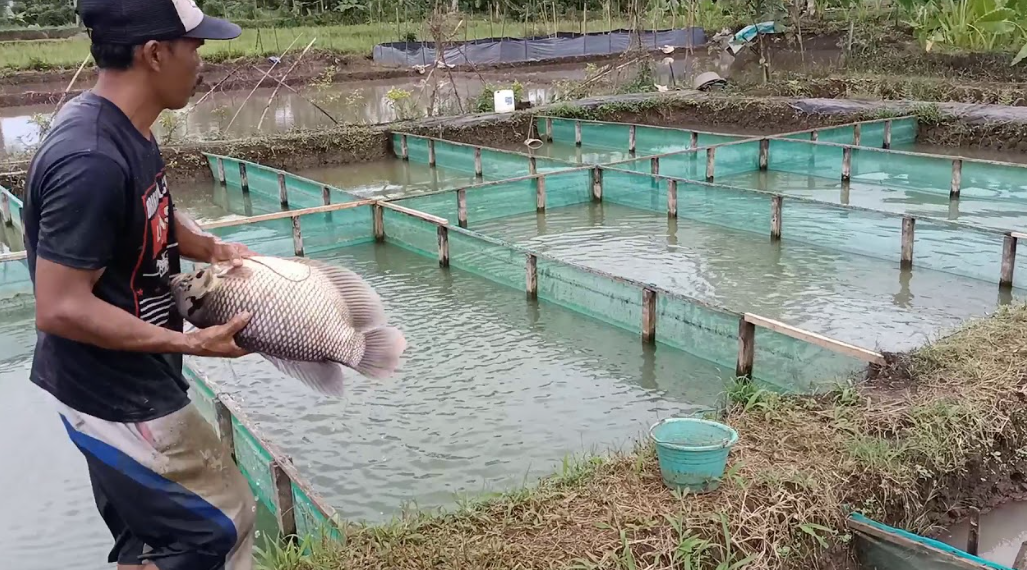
[134,22]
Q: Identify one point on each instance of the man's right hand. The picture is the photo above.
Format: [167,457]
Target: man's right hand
[219,341]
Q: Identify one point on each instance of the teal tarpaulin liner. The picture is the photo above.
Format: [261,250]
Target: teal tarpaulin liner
[881,547]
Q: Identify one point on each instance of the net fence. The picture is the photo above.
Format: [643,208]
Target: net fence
[459,157]
[903,131]
[300,192]
[649,140]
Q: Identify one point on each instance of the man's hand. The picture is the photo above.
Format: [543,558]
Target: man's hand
[219,341]
[234,252]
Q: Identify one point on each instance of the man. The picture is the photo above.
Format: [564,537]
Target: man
[103,239]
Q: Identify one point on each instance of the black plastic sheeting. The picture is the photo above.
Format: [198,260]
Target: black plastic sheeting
[511,50]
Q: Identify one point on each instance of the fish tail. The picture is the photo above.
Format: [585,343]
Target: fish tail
[382,349]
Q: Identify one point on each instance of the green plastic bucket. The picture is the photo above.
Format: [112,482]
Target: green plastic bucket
[692,452]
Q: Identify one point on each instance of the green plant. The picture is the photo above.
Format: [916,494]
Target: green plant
[978,25]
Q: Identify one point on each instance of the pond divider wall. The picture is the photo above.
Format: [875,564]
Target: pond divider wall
[537,48]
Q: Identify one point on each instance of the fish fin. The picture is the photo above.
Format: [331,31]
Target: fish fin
[365,306]
[382,349]
[326,377]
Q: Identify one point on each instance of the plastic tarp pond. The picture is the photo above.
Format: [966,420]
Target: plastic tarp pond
[881,547]
[509,50]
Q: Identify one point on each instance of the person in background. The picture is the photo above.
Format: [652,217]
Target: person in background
[103,239]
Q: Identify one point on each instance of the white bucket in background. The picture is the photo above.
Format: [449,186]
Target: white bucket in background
[504,100]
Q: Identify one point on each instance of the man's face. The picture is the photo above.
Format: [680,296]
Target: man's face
[175,70]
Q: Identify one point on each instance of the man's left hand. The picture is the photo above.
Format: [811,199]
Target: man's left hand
[234,252]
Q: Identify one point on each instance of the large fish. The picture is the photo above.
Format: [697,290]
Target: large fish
[311,320]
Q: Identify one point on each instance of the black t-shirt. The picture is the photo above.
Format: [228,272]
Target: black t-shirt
[97,198]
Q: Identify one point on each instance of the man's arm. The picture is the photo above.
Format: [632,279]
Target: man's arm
[82,212]
[197,245]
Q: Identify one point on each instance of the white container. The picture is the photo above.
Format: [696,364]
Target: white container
[504,100]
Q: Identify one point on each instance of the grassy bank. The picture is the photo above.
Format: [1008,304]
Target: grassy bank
[937,428]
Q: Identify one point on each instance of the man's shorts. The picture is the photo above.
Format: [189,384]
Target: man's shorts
[167,491]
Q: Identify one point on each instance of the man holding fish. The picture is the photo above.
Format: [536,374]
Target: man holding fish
[103,240]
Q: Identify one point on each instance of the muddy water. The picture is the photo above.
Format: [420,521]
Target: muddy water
[1002,532]
[857,299]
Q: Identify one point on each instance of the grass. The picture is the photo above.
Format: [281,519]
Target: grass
[43,55]
[900,449]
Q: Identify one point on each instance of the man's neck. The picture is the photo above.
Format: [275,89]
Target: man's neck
[131,96]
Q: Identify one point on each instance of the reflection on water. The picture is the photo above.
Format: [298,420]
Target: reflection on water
[1001,534]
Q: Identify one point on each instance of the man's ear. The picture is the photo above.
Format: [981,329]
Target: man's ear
[150,54]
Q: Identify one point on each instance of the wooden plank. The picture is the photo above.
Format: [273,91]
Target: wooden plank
[531,276]
[816,339]
[477,161]
[631,139]
[746,348]
[431,152]
[887,134]
[672,198]
[378,222]
[775,217]
[461,207]
[693,140]
[764,153]
[846,163]
[857,134]
[289,214]
[244,180]
[915,546]
[654,165]
[414,213]
[957,179]
[405,148]
[711,162]
[648,315]
[577,133]
[283,190]
[973,537]
[16,256]
[597,184]
[221,171]
[908,231]
[443,232]
[326,195]
[286,509]
[1018,235]
[540,194]
[1008,260]
[297,236]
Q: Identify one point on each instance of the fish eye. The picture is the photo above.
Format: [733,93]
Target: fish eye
[200,274]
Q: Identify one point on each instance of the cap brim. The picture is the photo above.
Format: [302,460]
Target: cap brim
[214,29]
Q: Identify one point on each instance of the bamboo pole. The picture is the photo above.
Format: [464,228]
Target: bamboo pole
[221,171]
[648,315]
[326,195]
[540,194]
[654,165]
[443,233]
[908,230]
[302,96]
[775,217]
[549,129]
[244,180]
[974,534]
[672,198]
[887,134]
[957,179]
[260,123]
[5,210]
[461,207]
[1009,243]
[764,153]
[431,152]
[297,236]
[597,184]
[378,222]
[711,162]
[857,134]
[477,161]
[404,148]
[814,135]
[283,190]
[577,133]
[532,165]
[631,139]
[531,276]
[693,141]
[261,80]
[847,163]
[746,348]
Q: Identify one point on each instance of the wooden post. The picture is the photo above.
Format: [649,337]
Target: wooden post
[764,153]
[957,179]
[711,161]
[404,147]
[223,419]
[1008,260]
[283,190]
[672,198]
[847,163]
[814,135]
[577,133]
[5,210]
[531,276]
[378,217]
[297,237]
[244,180]
[746,348]
[540,194]
[532,165]
[974,535]
[908,229]
[477,161]
[654,165]
[775,217]
[597,184]
[1020,562]
[648,315]
[221,171]
[549,129]
[887,134]
[286,512]
[443,246]
[693,141]
[857,134]
[461,208]
[326,195]
[431,152]
[631,139]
